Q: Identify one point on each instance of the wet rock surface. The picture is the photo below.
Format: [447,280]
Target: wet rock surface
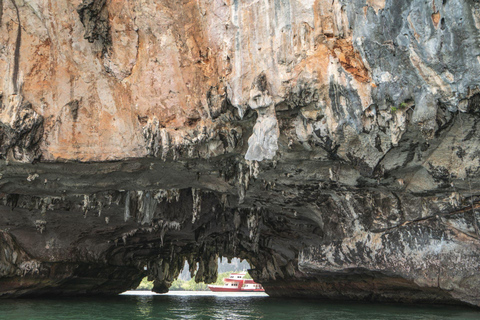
[334,145]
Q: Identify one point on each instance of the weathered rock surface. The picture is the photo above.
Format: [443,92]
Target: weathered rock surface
[333,144]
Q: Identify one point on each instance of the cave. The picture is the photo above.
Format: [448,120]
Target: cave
[87,239]
[334,145]
[126,235]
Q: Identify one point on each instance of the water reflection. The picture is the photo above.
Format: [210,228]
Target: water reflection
[219,307]
[182,309]
[145,305]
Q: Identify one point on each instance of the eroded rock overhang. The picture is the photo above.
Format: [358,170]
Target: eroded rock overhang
[334,145]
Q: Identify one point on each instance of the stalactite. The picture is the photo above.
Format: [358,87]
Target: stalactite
[165,138]
[127,207]
[192,265]
[199,277]
[212,269]
[151,135]
[148,204]
[100,207]
[197,204]
[253,224]
[242,184]
[86,204]
[254,168]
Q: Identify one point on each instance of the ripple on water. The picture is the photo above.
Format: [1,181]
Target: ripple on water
[218,306]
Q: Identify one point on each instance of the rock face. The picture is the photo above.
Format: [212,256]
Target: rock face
[332,144]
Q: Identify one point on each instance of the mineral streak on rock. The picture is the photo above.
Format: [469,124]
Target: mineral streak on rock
[332,144]
[16,59]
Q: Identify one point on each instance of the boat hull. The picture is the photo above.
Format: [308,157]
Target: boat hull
[223,289]
[252,290]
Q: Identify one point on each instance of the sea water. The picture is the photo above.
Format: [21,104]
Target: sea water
[209,305]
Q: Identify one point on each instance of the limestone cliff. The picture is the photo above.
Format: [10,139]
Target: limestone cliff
[333,144]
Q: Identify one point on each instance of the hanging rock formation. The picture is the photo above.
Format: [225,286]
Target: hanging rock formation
[333,144]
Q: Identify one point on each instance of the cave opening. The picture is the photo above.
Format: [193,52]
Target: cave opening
[115,239]
[186,281]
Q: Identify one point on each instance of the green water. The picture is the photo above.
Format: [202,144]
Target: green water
[218,307]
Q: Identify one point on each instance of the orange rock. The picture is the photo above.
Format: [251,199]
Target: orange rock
[161,62]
